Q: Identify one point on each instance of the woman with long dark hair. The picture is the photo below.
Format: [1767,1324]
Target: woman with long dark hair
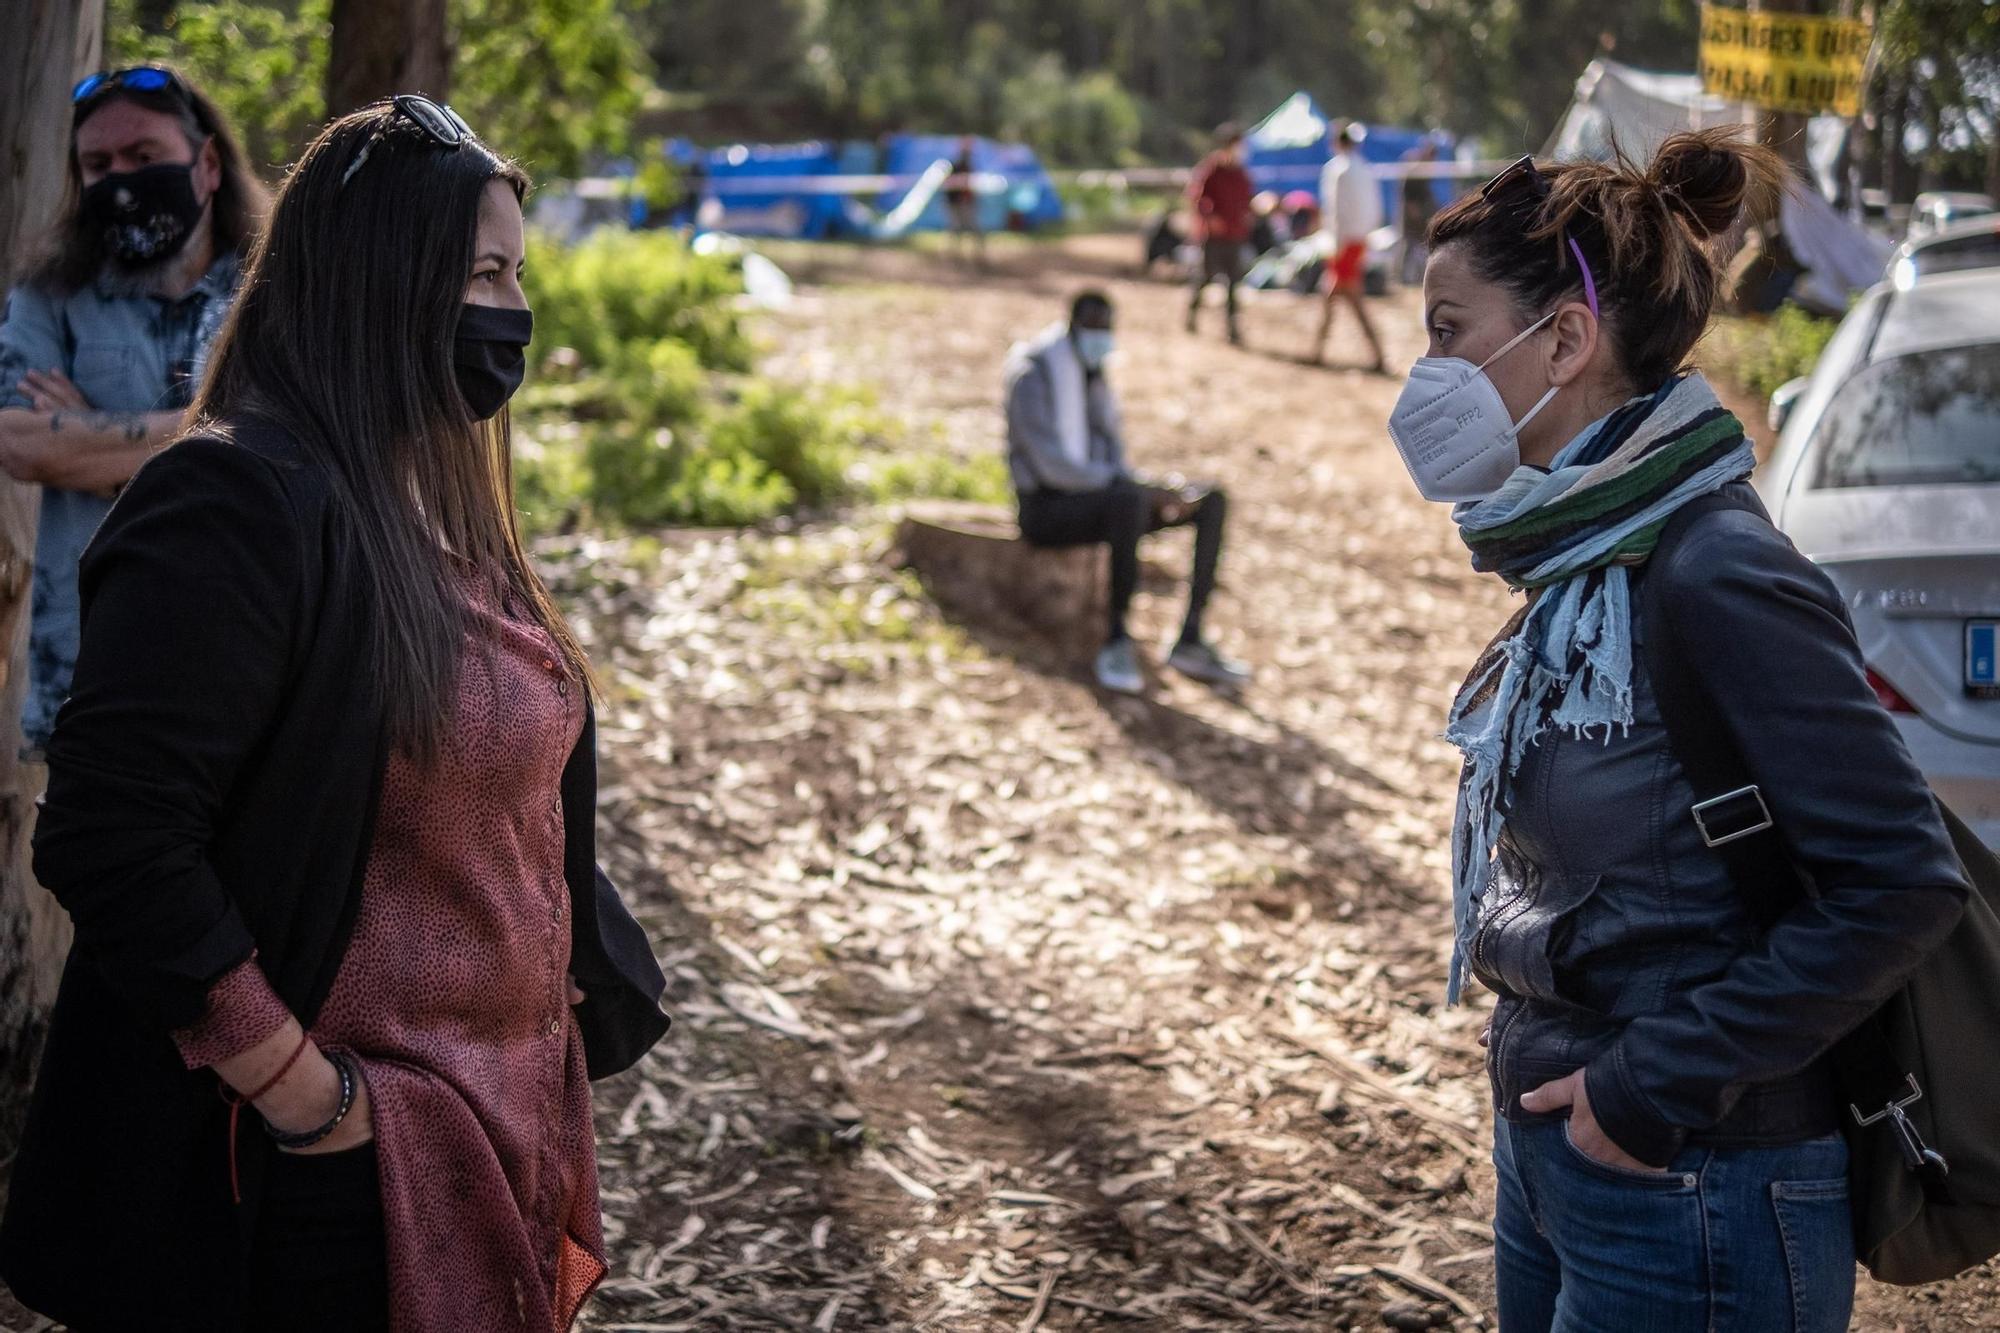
[321,809]
[1667,1139]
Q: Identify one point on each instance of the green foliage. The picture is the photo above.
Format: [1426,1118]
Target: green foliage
[1074,121]
[1763,354]
[617,289]
[1936,90]
[638,413]
[551,82]
[264,65]
[1085,80]
[888,477]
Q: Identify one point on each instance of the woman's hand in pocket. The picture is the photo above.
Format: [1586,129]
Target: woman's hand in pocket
[1584,1131]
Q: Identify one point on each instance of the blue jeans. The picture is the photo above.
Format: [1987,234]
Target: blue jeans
[1726,1240]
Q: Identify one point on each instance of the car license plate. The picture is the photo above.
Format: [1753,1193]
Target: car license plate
[1982,659]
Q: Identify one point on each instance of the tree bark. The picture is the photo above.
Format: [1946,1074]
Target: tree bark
[53,43]
[384,47]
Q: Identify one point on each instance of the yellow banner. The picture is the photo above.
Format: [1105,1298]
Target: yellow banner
[1784,62]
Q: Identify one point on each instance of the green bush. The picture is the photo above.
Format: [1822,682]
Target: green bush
[1762,354]
[639,416]
[616,289]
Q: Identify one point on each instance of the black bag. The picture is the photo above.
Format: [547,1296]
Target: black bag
[1921,1076]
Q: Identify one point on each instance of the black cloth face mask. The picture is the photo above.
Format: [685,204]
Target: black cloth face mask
[144,216]
[489,352]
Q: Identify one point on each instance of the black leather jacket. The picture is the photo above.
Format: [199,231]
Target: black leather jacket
[1613,935]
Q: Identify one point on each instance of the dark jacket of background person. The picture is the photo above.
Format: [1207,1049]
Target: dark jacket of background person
[1036,459]
[1221,192]
[212,789]
[1616,939]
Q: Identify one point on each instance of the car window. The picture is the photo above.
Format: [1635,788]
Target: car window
[1957,253]
[1930,418]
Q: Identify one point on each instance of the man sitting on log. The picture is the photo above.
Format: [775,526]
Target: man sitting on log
[1067,458]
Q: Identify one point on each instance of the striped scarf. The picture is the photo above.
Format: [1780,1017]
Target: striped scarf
[1572,533]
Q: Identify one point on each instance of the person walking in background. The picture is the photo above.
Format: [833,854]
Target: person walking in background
[1667,1138]
[962,203]
[322,810]
[1220,195]
[102,345]
[1350,209]
[1419,200]
[1066,455]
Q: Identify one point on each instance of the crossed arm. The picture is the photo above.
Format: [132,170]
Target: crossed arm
[60,440]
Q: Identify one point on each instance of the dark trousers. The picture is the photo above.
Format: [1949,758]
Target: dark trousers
[1119,515]
[321,1263]
[1219,259]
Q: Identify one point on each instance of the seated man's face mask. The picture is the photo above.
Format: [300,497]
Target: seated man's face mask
[1093,347]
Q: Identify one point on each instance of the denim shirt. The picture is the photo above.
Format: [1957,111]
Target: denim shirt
[125,353]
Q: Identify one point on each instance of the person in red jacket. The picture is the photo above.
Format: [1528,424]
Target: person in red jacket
[1220,195]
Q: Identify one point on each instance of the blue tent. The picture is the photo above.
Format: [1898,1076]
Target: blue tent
[1029,191]
[786,209]
[1289,148]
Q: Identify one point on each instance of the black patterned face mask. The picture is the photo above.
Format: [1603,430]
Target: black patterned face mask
[144,216]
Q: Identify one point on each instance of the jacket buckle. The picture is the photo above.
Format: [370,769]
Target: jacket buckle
[1736,814]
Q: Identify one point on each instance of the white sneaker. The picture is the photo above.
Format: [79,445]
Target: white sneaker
[1200,662]
[1118,668]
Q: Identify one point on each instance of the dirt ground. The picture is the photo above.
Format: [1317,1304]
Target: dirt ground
[1007,1005]
[1004,1005]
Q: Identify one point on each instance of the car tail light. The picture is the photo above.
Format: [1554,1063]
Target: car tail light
[1887,695]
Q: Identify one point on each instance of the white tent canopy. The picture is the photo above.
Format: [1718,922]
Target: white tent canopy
[1636,109]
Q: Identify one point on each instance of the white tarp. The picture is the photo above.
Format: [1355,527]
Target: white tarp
[1638,108]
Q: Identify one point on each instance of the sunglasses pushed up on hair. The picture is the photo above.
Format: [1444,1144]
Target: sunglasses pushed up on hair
[134,79]
[440,124]
[1523,171]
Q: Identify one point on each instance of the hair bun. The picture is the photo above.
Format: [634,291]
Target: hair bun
[1704,176]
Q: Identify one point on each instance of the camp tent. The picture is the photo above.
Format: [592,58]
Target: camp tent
[1637,109]
[787,206]
[1289,148]
[1028,192]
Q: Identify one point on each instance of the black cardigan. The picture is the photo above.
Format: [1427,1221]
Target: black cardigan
[213,782]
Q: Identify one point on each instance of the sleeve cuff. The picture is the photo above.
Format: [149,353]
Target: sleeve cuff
[242,1010]
[1624,1114]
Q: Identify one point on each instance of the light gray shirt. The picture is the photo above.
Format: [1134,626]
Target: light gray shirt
[1035,454]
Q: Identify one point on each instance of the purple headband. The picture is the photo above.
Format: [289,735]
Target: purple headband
[1589,283]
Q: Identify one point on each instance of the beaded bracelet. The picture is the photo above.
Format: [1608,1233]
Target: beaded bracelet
[349,1082]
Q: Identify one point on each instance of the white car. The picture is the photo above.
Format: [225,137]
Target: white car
[1971,243]
[1887,475]
[1938,209]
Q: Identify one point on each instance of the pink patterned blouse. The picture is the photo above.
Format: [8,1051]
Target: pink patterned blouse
[454,996]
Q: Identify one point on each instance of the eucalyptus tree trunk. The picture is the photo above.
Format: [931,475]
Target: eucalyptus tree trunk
[384,47]
[51,44]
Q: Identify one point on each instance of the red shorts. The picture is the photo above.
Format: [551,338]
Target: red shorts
[1345,269]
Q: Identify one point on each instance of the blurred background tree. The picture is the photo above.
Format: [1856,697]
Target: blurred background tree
[568,83]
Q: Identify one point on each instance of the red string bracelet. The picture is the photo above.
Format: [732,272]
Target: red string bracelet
[236,1108]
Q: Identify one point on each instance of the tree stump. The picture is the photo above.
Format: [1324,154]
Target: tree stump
[973,561]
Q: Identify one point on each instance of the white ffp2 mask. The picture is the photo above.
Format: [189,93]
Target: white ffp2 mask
[1452,428]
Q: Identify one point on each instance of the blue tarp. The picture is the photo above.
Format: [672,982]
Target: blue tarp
[1029,191]
[748,211]
[1289,148]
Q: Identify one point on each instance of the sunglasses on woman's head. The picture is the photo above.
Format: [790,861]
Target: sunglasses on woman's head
[440,124]
[1525,172]
[1521,172]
